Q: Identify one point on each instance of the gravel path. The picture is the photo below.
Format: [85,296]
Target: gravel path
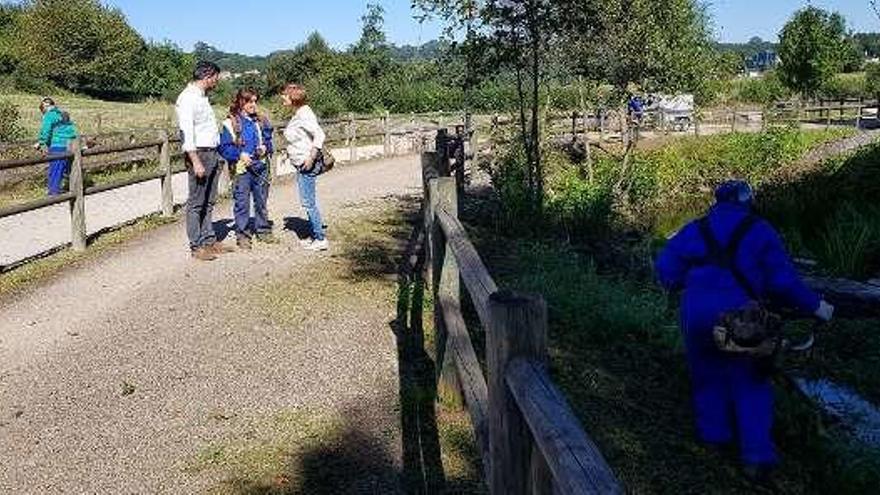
[119,374]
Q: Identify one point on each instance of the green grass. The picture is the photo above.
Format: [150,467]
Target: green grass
[96,116]
[617,354]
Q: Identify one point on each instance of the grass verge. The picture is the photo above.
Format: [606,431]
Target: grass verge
[617,354]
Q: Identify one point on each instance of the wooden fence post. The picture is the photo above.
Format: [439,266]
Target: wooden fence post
[352,138]
[78,203]
[517,329]
[165,166]
[601,125]
[859,114]
[386,130]
[446,285]
[442,146]
[429,172]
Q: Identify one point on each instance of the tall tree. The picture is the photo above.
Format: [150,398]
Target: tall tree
[81,45]
[811,47]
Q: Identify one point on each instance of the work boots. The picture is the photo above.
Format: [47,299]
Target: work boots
[203,254]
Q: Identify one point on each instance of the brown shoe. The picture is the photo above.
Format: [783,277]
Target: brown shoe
[218,248]
[203,254]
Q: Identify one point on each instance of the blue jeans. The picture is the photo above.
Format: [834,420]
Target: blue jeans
[58,170]
[254,183]
[307,183]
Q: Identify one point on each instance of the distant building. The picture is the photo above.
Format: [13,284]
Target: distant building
[762,61]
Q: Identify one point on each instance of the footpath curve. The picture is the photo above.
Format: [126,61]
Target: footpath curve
[143,371]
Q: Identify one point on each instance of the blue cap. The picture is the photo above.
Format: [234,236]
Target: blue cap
[734,191]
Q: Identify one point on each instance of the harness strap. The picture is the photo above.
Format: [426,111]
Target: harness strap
[725,257]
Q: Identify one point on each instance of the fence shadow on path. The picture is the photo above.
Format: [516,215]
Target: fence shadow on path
[422,463]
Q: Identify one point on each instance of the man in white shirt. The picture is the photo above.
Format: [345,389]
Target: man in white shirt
[200,136]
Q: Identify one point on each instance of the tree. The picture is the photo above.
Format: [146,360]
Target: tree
[811,48]
[163,70]
[10,16]
[872,79]
[373,37]
[80,45]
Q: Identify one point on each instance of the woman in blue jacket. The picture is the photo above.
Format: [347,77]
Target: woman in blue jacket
[246,144]
[730,392]
[56,133]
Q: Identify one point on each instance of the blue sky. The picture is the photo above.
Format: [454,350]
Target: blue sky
[279,24]
[739,20]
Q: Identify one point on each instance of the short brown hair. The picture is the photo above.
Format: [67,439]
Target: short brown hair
[297,94]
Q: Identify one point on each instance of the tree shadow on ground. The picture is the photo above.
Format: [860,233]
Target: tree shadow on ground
[349,458]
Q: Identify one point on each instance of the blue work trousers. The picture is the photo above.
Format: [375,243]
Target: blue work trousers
[253,184]
[733,396]
[58,170]
[307,183]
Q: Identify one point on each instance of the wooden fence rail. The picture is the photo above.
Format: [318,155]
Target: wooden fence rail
[529,440]
[166,170]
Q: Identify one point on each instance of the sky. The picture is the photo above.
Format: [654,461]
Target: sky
[258,28]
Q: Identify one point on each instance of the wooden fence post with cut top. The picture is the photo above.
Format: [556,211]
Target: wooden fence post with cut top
[352,138]
[386,130]
[165,166]
[517,329]
[78,203]
[859,113]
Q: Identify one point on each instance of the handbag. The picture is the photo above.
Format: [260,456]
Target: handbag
[328,158]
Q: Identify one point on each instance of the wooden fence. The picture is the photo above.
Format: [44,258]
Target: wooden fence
[529,440]
[77,191]
[139,151]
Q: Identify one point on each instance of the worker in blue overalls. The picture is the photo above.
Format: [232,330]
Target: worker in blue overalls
[731,392]
[246,145]
[56,134]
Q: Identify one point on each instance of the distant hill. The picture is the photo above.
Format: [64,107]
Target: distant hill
[233,62]
[236,62]
[431,50]
[748,50]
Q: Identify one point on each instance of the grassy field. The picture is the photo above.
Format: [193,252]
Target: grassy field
[95,116]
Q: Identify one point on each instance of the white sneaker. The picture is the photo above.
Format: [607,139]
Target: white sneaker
[306,242]
[319,245]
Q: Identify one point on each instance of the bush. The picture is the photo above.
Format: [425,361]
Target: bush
[763,90]
[10,125]
[846,86]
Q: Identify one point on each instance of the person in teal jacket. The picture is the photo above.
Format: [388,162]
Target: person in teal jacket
[56,133]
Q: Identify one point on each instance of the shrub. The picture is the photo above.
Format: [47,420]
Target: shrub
[847,245]
[763,91]
[10,125]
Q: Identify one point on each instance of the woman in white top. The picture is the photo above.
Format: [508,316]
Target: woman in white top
[305,140]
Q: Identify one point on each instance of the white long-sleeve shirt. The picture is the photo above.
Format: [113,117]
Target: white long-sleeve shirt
[302,134]
[196,119]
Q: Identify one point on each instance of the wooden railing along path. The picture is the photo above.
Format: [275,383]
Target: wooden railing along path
[529,440]
[169,164]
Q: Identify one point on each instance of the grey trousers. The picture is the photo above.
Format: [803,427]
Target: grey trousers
[202,197]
